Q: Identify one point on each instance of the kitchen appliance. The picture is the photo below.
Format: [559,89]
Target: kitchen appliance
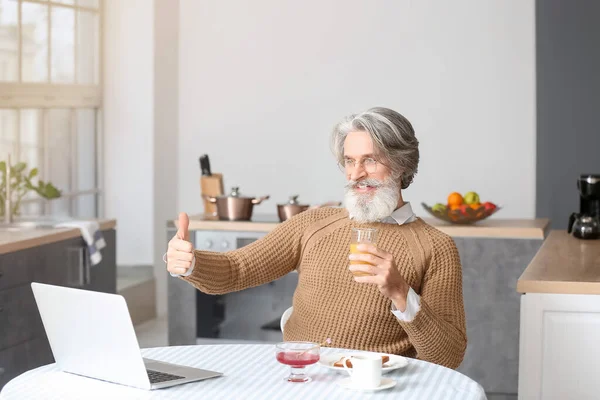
[292,207]
[210,185]
[586,223]
[235,207]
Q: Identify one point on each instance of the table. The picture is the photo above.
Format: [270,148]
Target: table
[251,372]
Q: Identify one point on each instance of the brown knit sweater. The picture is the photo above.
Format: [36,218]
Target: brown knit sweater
[328,303]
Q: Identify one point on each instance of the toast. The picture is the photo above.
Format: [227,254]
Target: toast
[339,364]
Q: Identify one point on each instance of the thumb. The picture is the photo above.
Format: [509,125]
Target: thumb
[183,227]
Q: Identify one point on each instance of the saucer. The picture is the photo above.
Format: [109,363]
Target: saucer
[328,360]
[385,383]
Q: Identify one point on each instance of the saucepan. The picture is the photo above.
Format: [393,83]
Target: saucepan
[235,207]
[292,207]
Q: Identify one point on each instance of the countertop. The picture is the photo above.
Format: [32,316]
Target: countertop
[11,241]
[565,265]
[490,228]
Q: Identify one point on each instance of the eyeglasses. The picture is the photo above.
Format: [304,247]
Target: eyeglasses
[369,164]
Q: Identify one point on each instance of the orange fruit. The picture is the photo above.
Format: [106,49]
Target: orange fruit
[455,199]
[454,207]
[475,206]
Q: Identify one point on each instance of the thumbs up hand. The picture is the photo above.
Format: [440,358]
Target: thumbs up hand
[180,254]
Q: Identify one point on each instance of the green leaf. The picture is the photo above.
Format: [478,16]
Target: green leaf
[2,166]
[19,167]
[33,173]
[51,192]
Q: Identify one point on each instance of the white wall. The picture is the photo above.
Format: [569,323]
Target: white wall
[128,127]
[263,82]
[166,115]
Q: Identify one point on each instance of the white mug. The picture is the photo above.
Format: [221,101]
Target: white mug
[366,370]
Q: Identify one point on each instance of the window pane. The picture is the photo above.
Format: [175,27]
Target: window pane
[61,207]
[8,135]
[71,2]
[34,27]
[9,41]
[63,45]
[86,150]
[86,206]
[59,150]
[88,47]
[31,128]
[88,3]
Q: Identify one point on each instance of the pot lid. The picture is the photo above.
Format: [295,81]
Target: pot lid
[293,201]
[235,192]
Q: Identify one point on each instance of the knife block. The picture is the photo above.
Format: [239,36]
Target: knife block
[211,186]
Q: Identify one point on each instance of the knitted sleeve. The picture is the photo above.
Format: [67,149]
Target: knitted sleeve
[438,331]
[260,262]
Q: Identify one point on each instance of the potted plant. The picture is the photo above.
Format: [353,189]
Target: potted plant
[21,183]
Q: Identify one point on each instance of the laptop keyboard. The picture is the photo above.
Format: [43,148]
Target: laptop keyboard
[156,377]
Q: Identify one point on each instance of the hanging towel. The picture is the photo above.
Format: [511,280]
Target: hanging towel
[92,235]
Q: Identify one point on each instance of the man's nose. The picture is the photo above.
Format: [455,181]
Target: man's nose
[358,172]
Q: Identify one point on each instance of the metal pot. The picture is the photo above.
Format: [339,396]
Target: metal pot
[235,207]
[292,207]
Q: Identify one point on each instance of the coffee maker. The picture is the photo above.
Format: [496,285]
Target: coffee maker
[586,223]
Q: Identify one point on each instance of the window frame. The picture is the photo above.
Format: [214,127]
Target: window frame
[18,95]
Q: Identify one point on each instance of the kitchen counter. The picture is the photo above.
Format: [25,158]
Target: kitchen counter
[11,241]
[490,228]
[564,265]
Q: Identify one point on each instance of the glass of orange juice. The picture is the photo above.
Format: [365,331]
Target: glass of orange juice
[359,236]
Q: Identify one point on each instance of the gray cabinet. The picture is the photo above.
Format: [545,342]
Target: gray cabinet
[23,342]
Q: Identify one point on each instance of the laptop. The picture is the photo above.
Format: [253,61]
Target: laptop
[91,334]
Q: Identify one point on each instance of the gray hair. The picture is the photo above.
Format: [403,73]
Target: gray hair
[393,139]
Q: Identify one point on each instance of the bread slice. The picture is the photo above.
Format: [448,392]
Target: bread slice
[339,364]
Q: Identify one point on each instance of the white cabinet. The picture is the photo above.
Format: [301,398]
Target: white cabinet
[559,351]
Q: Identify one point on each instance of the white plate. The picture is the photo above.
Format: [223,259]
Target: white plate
[395,362]
[386,383]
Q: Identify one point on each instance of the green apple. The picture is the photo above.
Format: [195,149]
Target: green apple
[471,198]
[439,207]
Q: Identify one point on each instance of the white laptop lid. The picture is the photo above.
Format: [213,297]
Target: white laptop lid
[91,334]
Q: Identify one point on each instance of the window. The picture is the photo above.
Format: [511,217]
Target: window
[51,98]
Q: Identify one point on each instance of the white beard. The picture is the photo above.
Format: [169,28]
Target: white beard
[372,207]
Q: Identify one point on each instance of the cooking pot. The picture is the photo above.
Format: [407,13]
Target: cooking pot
[235,207]
[292,207]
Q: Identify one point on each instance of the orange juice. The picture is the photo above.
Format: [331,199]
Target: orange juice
[354,250]
[360,236]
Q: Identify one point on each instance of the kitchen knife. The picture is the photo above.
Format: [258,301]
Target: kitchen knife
[208,171]
[204,165]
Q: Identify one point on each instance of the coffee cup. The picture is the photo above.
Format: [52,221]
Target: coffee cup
[366,370]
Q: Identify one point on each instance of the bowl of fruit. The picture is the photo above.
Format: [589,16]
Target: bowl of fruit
[461,209]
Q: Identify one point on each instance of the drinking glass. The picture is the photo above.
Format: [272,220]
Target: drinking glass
[359,236]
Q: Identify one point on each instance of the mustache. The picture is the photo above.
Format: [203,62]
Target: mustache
[364,182]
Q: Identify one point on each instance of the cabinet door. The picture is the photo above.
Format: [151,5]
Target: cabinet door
[67,263]
[559,356]
[19,317]
[20,267]
[23,357]
[102,277]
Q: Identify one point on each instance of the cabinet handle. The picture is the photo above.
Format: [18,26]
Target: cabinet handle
[82,267]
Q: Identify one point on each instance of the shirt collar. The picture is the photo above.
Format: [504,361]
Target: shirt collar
[401,215]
